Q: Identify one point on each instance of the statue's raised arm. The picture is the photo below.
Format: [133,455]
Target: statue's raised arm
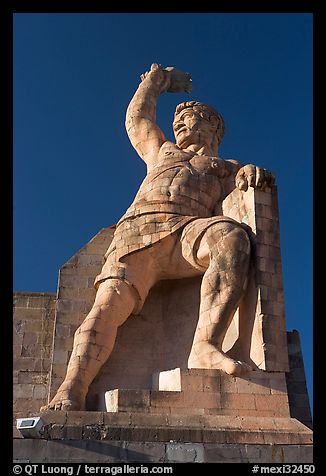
[144,134]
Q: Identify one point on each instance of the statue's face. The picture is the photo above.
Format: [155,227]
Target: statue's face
[194,127]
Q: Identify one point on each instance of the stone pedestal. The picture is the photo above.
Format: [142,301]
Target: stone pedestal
[189,416]
[207,392]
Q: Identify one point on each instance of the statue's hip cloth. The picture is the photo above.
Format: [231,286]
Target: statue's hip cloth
[153,246]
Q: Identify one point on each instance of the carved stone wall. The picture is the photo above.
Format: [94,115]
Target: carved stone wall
[33,326]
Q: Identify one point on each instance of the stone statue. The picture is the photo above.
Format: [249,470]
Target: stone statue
[173,229]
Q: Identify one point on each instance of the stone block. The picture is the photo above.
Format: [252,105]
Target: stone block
[146,419]
[82,418]
[51,416]
[40,391]
[248,386]
[277,403]
[23,390]
[169,380]
[60,357]
[251,396]
[57,432]
[73,281]
[144,452]
[87,451]
[278,386]
[184,453]
[228,384]
[222,421]
[222,453]
[187,421]
[24,377]
[28,313]
[29,450]
[187,380]
[298,454]
[74,433]
[207,384]
[118,418]
[167,399]
[249,423]
[126,400]
[240,401]
[201,399]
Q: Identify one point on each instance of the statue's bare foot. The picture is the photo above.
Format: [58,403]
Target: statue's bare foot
[66,400]
[207,356]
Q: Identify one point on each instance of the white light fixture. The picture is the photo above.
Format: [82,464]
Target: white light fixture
[30,427]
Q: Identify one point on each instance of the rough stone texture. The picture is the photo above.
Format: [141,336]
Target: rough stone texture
[296,382]
[115,451]
[264,306]
[150,437]
[33,328]
[140,426]
[200,391]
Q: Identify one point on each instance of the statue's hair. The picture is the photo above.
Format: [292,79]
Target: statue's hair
[200,106]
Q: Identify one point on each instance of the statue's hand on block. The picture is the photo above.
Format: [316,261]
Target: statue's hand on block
[253,176]
[168,79]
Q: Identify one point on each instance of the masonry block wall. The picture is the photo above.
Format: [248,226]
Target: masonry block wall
[32,342]
[296,381]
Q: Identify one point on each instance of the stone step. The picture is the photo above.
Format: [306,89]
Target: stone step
[150,427]
[206,391]
[197,402]
[209,380]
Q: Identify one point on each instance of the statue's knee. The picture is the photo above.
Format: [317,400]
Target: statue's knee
[229,236]
[240,239]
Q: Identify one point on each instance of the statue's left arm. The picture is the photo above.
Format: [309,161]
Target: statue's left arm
[252,176]
[235,175]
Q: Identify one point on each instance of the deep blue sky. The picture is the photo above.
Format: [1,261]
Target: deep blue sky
[75,170]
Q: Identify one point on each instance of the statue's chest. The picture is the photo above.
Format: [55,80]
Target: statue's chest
[180,174]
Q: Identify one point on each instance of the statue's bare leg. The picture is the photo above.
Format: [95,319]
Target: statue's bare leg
[93,343]
[226,251]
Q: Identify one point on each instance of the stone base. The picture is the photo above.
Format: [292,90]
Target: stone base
[113,451]
[168,438]
[190,415]
[137,426]
[206,392]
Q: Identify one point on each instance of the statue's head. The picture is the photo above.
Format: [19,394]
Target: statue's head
[192,118]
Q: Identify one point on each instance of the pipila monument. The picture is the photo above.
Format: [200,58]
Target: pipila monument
[166,340]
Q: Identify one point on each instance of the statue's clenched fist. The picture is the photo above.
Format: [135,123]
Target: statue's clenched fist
[253,176]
